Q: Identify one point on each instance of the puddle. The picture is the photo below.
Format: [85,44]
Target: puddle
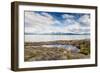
[69,47]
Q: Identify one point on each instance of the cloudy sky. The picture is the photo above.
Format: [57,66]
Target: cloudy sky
[53,22]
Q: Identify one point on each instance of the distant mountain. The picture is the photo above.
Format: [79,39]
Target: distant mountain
[70,33]
[58,33]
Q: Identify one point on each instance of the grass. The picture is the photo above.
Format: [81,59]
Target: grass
[35,52]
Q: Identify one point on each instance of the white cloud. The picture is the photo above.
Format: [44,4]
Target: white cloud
[34,22]
[81,25]
[85,20]
[35,19]
[47,15]
[43,23]
[67,16]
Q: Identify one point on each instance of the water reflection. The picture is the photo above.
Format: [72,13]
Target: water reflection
[68,47]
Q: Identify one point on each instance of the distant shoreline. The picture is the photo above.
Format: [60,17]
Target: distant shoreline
[55,34]
[57,41]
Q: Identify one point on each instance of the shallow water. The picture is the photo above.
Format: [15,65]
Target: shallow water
[68,47]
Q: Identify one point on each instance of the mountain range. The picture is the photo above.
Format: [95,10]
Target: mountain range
[58,33]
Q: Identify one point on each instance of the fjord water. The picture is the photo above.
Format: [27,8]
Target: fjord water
[45,38]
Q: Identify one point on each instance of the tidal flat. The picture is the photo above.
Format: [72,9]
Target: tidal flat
[57,50]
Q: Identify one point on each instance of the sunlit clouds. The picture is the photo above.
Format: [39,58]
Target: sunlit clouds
[53,22]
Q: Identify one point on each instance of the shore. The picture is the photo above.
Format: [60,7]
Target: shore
[34,51]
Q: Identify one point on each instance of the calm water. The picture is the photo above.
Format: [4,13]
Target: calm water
[68,47]
[40,38]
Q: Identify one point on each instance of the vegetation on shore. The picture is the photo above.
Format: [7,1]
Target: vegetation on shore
[34,51]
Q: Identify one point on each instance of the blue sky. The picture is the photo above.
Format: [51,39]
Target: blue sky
[48,22]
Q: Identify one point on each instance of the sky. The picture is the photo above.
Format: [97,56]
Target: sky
[53,22]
